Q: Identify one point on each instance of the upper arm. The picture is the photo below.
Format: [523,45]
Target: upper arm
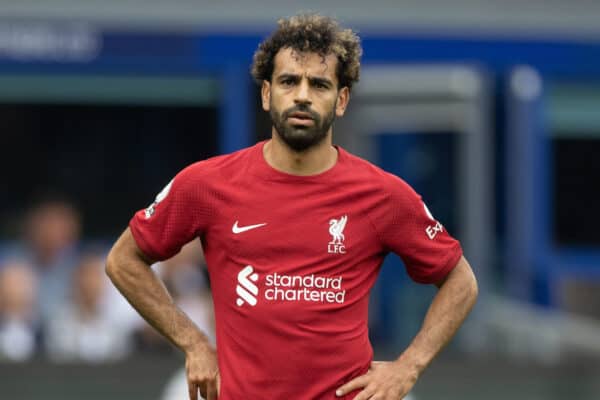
[126,249]
[180,213]
[462,273]
[407,228]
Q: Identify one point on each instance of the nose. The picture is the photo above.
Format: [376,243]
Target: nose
[303,93]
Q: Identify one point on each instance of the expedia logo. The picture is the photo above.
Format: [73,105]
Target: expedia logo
[246,289]
[432,230]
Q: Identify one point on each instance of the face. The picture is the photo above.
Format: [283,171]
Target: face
[303,98]
[52,227]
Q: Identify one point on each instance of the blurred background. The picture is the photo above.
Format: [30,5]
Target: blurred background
[489,109]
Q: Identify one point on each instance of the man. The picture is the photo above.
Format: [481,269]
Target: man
[294,232]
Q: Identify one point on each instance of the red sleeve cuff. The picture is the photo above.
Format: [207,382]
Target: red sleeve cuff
[142,243]
[441,273]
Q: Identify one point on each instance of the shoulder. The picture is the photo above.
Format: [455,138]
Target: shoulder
[218,166]
[386,183]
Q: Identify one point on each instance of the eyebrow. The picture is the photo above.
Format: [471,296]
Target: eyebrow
[313,80]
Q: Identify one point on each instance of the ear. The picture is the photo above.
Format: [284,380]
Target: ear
[265,94]
[342,101]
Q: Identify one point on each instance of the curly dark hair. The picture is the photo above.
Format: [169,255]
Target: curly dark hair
[311,33]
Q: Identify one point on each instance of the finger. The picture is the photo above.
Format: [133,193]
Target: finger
[193,391]
[211,391]
[218,384]
[203,394]
[365,394]
[354,384]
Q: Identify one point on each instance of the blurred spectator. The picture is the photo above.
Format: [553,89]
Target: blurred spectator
[52,230]
[19,328]
[88,327]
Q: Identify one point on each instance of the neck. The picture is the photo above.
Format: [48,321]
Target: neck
[311,161]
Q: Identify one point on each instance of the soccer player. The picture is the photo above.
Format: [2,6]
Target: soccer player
[294,231]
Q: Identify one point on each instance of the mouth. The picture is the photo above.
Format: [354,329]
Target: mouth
[300,118]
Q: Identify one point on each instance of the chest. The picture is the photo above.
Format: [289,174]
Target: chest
[311,225]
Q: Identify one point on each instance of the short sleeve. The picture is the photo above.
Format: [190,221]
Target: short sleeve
[407,227]
[176,217]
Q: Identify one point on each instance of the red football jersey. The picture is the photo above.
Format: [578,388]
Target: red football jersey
[291,261]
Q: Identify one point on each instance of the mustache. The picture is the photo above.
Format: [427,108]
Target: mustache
[301,108]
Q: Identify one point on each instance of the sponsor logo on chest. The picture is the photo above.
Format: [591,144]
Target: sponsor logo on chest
[288,288]
[277,287]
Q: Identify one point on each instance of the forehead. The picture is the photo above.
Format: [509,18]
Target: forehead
[290,61]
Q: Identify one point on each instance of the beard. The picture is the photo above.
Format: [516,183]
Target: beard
[301,137]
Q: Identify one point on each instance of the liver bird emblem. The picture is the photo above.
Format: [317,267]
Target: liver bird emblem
[336,229]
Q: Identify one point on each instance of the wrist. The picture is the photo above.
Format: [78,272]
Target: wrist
[412,362]
[196,343]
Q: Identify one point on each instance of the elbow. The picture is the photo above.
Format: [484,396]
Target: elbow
[473,290]
[468,281]
[111,269]
[124,261]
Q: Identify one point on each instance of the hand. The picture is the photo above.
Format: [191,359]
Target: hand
[383,381]
[202,373]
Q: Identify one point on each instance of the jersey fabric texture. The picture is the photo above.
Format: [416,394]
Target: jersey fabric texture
[291,261]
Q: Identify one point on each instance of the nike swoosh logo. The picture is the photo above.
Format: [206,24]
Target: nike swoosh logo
[239,229]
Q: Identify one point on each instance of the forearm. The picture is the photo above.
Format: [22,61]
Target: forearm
[138,283]
[448,310]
